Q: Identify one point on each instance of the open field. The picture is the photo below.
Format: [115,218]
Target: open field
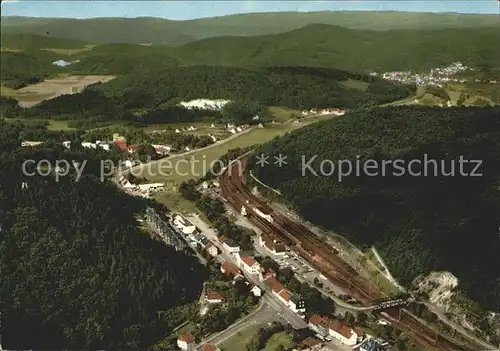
[70,52]
[33,94]
[174,201]
[356,84]
[239,341]
[175,170]
[53,124]
[283,114]
[278,339]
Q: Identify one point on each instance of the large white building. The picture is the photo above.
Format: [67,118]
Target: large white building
[297,304]
[205,104]
[184,225]
[230,246]
[272,246]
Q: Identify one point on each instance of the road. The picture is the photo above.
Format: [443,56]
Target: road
[271,300]
[263,314]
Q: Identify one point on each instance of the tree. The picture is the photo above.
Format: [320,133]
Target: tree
[362,318]
[350,319]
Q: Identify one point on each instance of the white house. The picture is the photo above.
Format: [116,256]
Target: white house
[125,183]
[297,304]
[230,246]
[31,143]
[184,225]
[212,250]
[256,291]
[343,333]
[250,265]
[187,342]
[151,186]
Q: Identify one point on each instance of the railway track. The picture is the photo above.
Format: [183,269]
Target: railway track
[325,259]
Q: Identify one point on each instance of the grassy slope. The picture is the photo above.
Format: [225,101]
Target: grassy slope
[140,30]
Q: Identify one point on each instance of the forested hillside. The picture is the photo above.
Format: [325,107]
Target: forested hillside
[32,41]
[18,69]
[313,46]
[156,30]
[77,273]
[419,223]
[156,90]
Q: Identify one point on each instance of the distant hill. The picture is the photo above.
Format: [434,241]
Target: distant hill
[32,41]
[314,46]
[157,31]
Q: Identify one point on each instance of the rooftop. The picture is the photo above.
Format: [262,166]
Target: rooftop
[249,261]
[341,328]
[214,296]
[318,320]
[230,243]
[209,347]
[230,268]
[184,221]
[274,284]
[286,295]
[310,342]
[188,338]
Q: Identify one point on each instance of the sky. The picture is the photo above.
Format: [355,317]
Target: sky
[184,10]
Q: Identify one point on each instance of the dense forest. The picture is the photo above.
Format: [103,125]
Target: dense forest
[316,45]
[19,69]
[150,96]
[419,223]
[77,272]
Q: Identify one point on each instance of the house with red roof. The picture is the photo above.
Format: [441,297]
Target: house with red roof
[285,296]
[319,324]
[231,269]
[214,297]
[121,145]
[250,265]
[187,342]
[343,333]
[210,347]
[271,245]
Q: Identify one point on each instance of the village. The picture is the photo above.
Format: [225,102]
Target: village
[436,76]
[244,265]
